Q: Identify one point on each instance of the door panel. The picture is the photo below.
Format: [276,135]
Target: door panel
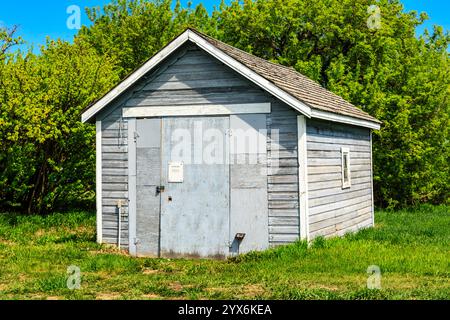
[195,213]
[148,178]
[249,211]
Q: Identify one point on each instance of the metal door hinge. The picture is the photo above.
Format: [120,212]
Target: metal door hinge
[136,135]
[136,241]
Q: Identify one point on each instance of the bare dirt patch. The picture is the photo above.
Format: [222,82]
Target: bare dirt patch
[253,290]
[108,296]
[150,271]
[152,296]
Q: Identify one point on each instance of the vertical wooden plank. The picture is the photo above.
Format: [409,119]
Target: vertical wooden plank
[302,177]
[132,186]
[98,182]
[148,179]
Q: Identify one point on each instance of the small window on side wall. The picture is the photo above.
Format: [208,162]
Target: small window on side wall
[345,165]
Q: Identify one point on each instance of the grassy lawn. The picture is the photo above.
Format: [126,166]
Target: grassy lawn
[411,247]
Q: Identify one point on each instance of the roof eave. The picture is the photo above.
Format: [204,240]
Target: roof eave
[335,117]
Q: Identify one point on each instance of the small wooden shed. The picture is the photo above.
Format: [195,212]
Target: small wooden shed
[208,151]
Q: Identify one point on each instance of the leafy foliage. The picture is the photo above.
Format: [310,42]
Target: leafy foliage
[46,155]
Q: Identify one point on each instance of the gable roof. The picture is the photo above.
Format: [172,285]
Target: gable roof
[285,83]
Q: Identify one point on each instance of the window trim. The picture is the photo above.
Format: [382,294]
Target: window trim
[346,183]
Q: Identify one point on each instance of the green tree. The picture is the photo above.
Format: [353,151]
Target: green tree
[47,155]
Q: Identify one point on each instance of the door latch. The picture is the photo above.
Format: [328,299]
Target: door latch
[160,189]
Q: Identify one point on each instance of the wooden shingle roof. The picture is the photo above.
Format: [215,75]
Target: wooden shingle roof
[293,82]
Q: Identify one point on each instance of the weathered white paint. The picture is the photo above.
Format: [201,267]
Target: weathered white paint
[334,210]
[132,186]
[344,119]
[196,110]
[303,177]
[98,182]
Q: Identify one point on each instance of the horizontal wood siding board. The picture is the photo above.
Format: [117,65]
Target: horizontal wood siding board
[337,176]
[283,195]
[283,213]
[115,171]
[116,141]
[283,221]
[321,193]
[336,154]
[283,187]
[115,134]
[335,183]
[336,169]
[284,229]
[114,187]
[336,147]
[283,238]
[121,164]
[114,156]
[334,140]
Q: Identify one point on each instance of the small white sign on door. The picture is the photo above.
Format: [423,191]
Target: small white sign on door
[176,172]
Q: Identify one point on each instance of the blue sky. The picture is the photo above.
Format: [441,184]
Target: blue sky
[38,20]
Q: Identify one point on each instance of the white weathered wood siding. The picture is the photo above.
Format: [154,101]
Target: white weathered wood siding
[282,174]
[114,177]
[191,77]
[332,209]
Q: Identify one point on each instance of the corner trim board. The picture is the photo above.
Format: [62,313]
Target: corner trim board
[98,178]
[196,110]
[132,186]
[371,180]
[303,177]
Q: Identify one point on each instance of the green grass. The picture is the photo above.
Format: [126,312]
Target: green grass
[411,247]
